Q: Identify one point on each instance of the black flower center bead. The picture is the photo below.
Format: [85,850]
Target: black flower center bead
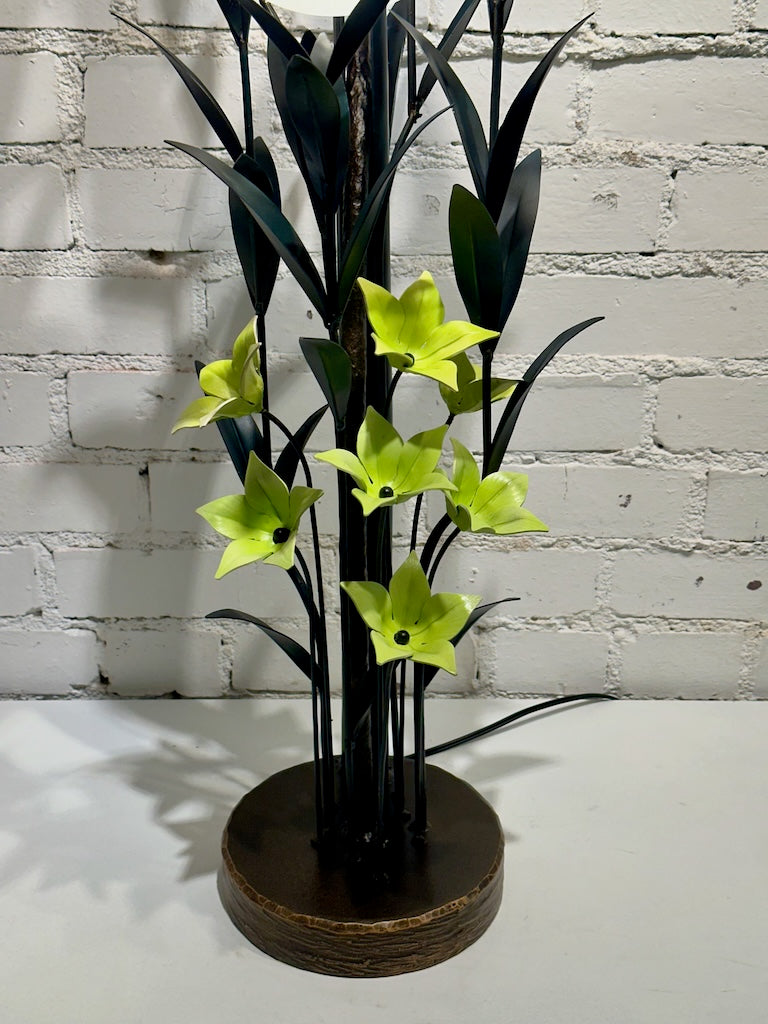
[281,535]
[386,492]
[402,636]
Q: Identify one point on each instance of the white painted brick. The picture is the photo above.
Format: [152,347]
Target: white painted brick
[582,209]
[47,663]
[24,408]
[737,506]
[77,14]
[706,99]
[548,582]
[465,681]
[658,16]
[735,195]
[19,588]
[54,496]
[290,315]
[96,314]
[673,316]
[723,413]
[33,208]
[615,501]
[761,669]
[200,13]
[690,586]
[112,583]
[141,101]
[554,16]
[559,662]
[760,17]
[698,666]
[258,664]
[141,663]
[28,88]
[134,410]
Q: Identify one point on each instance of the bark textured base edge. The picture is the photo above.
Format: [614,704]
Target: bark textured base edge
[442,896]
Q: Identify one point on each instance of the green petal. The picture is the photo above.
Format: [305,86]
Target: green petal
[219,379]
[424,311]
[347,463]
[378,447]
[439,653]
[469,396]
[410,591]
[515,488]
[265,491]
[458,514]
[244,344]
[514,520]
[442,370]
[443,616]
[453,337]
[299,501]
[283,554]
[197,413]
[243,552]
[397,358]
[418,458]
[373,604]
[387,650]
[385,313]
[433,482]
[233,517]
[370,500]
[466,473]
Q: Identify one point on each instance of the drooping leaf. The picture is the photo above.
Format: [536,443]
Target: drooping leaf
[273,223]
[516,224]
[395,44]
[299,655]
[241,436]
[465,112]
[506,148]
[258,258]
[371,210]
[274,29]
[477,257]
[286,465]
[474,616]
[332,368]
[206,102]
[512,409]
[238,20]
[446,46]
[357,25]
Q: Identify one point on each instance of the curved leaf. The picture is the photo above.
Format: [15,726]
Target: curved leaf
[258,258]
[277,63]
[512,409]
[299,655]
[207,103]
[477,257]
[395,44]
[332,368]
[516,224]
[274,29]
[510,137]
[239,22]
[357,25]
[446,46]
[467,118]
[476,614]
[275,226]
[286,465]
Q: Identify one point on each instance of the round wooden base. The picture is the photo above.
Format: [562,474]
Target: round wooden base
[442,894]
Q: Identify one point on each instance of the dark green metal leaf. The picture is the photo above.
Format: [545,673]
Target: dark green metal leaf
[512,409]
[477,613]
[446,46]
[258,258]
[372,208]
[241,436]
[357,25]
[238,20]
[278,69]
[207,103]
[332,368]
[342,157]
[467,118]
[507,145]
[477,257]
[395,44]
[299,655]
[516,224]
[286,465]
[308,41]
[274,29]
[275,226]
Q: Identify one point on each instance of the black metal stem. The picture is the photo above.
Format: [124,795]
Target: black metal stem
[420,775]
[390,394]
[433,540]
[487,424]
[415,526]
[245,78]
[410,15]
[497,37]
[439,557]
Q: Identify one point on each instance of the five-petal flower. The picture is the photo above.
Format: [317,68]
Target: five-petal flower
[492,504]
[261,523]
[233,387]
[410,331]
[468,396]
[386,469]
[408,620]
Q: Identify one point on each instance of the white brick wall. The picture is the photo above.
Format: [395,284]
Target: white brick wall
[644,442]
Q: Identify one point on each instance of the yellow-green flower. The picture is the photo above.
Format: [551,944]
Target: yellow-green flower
[386,469]
[233,387]
[408,620]
[261,523]
[468,396]
[410,331]
[493,504]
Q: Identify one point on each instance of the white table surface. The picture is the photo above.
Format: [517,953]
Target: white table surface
[636,884]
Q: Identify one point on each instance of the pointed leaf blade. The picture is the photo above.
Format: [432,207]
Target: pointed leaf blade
[395,45]
[332,368]
[477,262]
[357,25]
[238,20]
[274,29]
[258,258]
[299,655]
[516,224]
[447,45]
[287,464]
